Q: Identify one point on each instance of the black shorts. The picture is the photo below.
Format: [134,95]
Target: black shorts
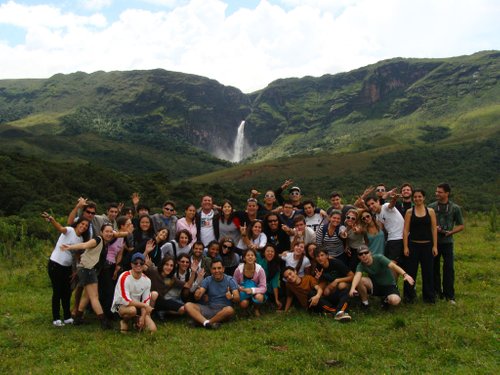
[394,250]
[385,290]
[86,276]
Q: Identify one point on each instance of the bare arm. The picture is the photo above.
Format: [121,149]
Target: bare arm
[393,266]
[80,246]
[54,222]
[355,282]
[74,212]
[406,231]
[434,231]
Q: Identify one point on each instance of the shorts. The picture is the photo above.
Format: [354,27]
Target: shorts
[209,311]
[385,290]
[86,276]
[394,250]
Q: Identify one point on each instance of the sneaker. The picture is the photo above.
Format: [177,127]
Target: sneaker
[342,317]
[385,304]
[365,307]
[58,323]
[212,326]
[452,302]
[68,321]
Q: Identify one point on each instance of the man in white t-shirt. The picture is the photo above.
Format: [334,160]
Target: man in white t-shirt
[393,223]
[132,297]
[207,221]
[313,219]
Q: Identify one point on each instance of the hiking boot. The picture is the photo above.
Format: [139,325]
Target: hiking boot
[106,324]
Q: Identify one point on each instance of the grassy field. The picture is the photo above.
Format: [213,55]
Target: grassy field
[443,339]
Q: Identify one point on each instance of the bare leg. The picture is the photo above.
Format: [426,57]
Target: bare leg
[194,311]
[225,314]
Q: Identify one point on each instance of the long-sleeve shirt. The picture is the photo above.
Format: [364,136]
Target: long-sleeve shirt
[259,277]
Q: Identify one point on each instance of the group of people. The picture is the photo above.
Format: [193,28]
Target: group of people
[142,267]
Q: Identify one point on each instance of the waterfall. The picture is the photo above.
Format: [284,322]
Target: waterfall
[239,143]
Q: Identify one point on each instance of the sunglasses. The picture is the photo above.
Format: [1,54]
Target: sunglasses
[269,196]
[168,209]
[250,200]
[364,217]
[295,193]
[138,263]
[350,217]
[380,190]
[227,247]
[363,253]
[90,212]
[273,221]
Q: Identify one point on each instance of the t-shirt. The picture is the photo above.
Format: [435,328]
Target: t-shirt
[393,222]
[335,270]
[207,227]
[260,242]
[376,242]
[301,290]
[314,221]
[216,290]
[128,288]
[333,244]
[447,216]
[378,271]
[168,249]
[114,248]
[290,261]
[65,258]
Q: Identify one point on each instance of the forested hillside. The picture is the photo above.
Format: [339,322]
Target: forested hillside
[105,135]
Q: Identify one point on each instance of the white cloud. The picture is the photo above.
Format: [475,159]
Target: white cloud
[96,4]
[249,48]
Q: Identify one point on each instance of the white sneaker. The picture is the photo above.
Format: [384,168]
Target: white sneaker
[68,321]
[58,323]
[342,316]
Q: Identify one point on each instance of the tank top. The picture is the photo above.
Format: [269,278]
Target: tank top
[420,227]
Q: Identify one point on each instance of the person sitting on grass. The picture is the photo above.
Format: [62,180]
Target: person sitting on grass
[167,287]
[251,279]
[309,294]
[222,291]
[132,296]
[334,278]
[381,280]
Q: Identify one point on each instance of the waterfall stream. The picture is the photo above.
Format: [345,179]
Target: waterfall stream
[239,143]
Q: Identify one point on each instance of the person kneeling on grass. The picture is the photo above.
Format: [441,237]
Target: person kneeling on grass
[381,280]
[222,291]
[132,296]
[309,294]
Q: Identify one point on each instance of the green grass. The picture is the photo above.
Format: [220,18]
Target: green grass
[444,339]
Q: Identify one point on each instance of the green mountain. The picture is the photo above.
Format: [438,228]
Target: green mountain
[397,101]
[423,120]
[135,121]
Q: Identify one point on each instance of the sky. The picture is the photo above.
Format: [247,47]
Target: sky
[242,43]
